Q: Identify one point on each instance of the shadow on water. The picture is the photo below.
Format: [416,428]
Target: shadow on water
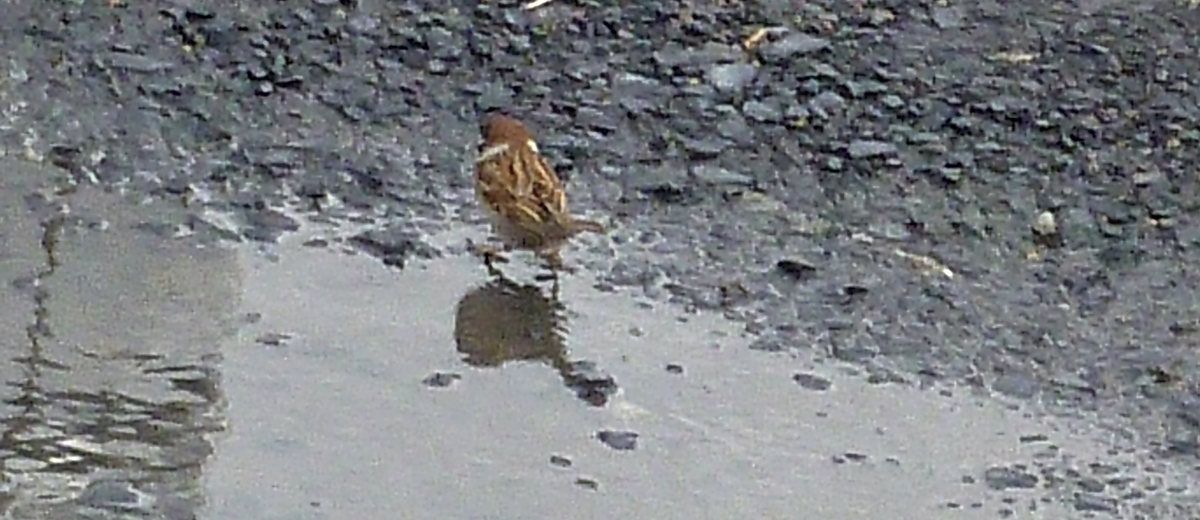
[112,391]
[503,321]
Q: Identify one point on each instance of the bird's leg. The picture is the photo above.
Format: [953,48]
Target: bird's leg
[555,262]
[491,268]
[490,253]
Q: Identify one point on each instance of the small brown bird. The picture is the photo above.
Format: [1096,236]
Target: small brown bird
[522,195]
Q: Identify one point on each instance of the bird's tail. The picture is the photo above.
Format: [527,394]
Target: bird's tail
[578,225]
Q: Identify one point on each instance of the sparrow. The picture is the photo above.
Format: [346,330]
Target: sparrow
[523,197]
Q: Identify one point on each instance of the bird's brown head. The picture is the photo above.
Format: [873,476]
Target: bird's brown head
[498,128]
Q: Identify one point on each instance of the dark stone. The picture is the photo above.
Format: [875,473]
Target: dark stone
[849,457]
[1092,502]
[440,379]
[590,384]
[1001,478]
[273,339]
[797,269]
[618,440]
[812,382]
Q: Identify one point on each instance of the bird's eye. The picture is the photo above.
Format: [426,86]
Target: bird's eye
[491,152]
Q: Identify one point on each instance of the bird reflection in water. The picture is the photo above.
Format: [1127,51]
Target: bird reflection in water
[504,321]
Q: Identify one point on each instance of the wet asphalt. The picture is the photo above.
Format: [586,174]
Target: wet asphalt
[872,260]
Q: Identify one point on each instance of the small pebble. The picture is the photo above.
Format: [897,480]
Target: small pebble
[1046,224]
[441,379]
[621,441]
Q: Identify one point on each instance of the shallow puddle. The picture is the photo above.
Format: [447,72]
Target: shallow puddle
[114,333]
[339,409]
[147,374]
